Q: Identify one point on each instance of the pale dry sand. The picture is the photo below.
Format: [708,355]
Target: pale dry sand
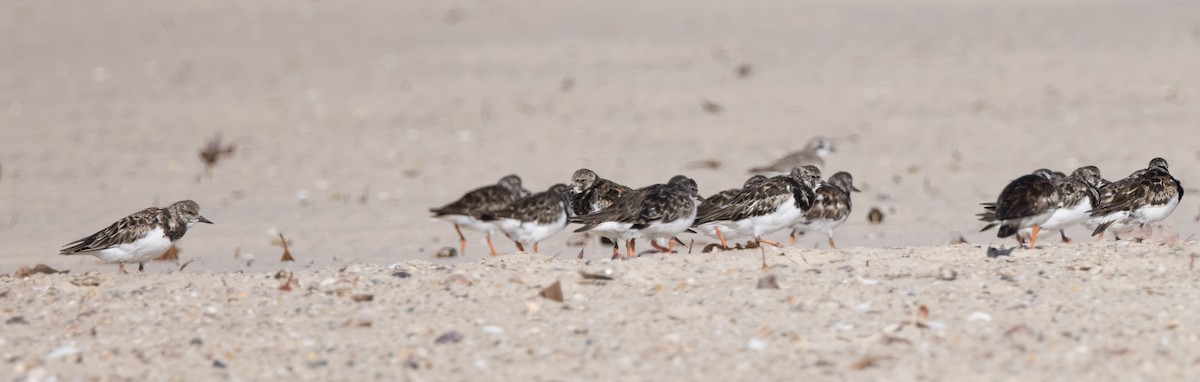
[351,119]
[1081,312]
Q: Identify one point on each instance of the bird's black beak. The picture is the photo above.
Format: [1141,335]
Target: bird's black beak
[203,220]
[855,189]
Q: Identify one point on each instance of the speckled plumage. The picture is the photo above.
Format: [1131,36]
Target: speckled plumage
[464,211]
[1146,196]
[141,236]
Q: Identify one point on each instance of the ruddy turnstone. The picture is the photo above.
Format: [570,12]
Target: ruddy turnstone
[1147,196]
[590,193]
[1027,202]
[532,218]
[813,154]
[775,204]
[830,208]
[1078,193]
[668,211]
[655,212]
[720,229]
[463,212]
[139,237]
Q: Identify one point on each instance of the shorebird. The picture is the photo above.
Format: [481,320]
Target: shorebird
[813,154]
[660,211]
[139,237]
[1078,194]
[590,193]
[829,210]
[464,211]
[1027,202]
[532,218]
[719,229]
[775,204]
[1146,196]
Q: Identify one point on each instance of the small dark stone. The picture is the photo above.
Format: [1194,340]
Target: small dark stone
[452,336]
[218,364]
[196,342]
[402,274]
[16,320]
[317,363]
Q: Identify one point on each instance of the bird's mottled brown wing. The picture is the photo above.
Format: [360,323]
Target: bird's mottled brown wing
[758,200]
[479,200]
[831,203]
[127,230]
[1026,196]
[664,205]
[1152,188]
[543,207]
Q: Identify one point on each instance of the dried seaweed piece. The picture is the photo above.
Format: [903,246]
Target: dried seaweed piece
[172,254]
[362,297]
[867,362]
[287,255]
[875,216]
[290,283]
[212,152]
[922,312]
[706,164]
[553,292]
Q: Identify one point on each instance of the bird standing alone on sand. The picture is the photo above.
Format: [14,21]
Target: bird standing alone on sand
[139,237]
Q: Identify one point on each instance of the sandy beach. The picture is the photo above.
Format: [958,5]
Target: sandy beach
[349,120]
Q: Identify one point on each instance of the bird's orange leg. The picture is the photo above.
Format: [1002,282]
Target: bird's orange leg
[761,241]
[519,246]
[462,241]
[1065,239]
[792,239]
[831,243]
[1033,237]
[654,243]
[535,250]
[721,238]
[489,241]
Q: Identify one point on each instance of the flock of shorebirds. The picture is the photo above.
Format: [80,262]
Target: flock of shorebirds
[1052,200]
[795,198]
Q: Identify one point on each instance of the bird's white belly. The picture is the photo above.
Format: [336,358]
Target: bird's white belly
[615,230]
[153,245]
[667,230]
[786,216]
[1150,214]
[531,232]
[820,225]
[1064,218]
[728,229]
[470,223]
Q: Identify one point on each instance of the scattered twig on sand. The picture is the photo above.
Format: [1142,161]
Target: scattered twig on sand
[711,107]
[36,269]
[185,264]
[283,242]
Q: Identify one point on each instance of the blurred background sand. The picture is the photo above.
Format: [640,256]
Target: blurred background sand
[351,119]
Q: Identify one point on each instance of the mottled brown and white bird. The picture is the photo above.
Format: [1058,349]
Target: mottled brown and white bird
[1078,194]
[775,204]
[590,193]
[464,211]
[657,212]
[531,219]
[1026,202]
[1146,196]
[139,237]
[813,154]
[829,209]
